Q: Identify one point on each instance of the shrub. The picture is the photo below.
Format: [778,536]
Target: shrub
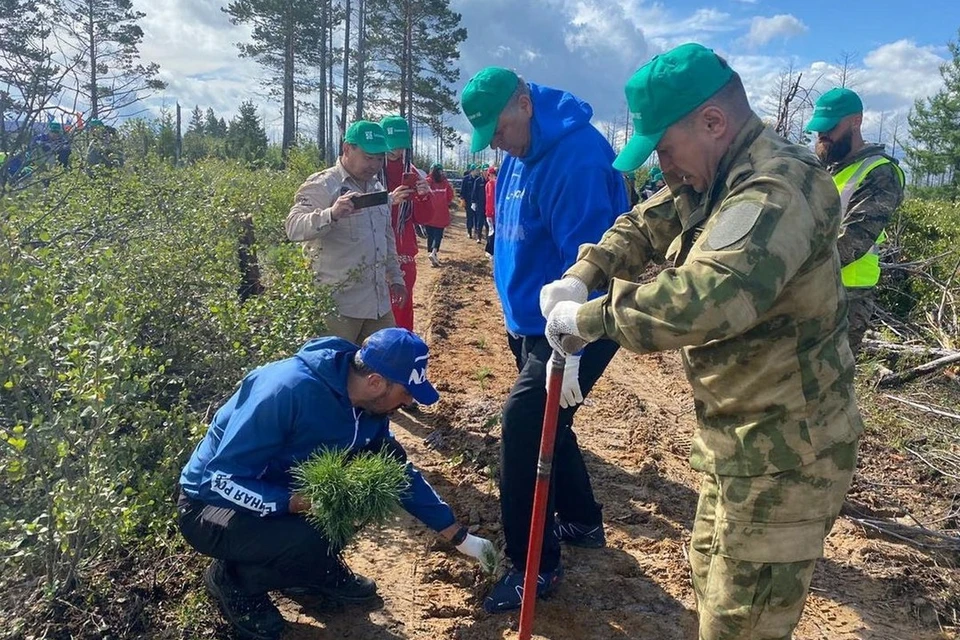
[120,332]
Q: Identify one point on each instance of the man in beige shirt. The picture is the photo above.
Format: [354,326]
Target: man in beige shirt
[352,250]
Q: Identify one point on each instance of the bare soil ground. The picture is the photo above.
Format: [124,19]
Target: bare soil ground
[635,432]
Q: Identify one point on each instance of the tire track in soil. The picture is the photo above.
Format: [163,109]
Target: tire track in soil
[635,432]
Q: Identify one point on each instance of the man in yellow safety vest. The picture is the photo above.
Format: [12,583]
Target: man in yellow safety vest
[871,188]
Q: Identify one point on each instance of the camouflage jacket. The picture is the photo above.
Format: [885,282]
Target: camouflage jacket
[871,205]
[754,300]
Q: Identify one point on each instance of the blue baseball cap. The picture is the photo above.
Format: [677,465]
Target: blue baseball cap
[400,356]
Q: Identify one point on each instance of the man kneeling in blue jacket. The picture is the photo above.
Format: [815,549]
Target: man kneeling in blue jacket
[236,503]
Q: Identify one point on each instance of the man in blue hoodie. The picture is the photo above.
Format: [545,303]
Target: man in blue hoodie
[236,502]
[557,189]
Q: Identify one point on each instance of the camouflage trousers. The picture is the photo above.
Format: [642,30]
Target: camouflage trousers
[756,540]
[859,313]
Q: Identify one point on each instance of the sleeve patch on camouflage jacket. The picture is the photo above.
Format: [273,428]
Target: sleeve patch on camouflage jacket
[733,224]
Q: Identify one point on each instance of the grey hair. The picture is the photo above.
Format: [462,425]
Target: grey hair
[523,89]
[359,366]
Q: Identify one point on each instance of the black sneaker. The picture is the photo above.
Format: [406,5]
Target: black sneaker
[507,594]
[589,536]
[340,584]
[252,617]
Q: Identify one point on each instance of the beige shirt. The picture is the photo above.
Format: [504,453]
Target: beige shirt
[355,255]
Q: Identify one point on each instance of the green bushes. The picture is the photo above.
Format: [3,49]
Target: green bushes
[925,234]
[121,331]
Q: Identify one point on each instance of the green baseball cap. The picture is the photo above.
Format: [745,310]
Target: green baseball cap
[665,90]
[397,131]
[483,99]
[436,165]
[832,107]
[368,136]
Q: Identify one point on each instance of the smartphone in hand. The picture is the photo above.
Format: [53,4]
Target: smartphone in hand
[373,199]
[410,179]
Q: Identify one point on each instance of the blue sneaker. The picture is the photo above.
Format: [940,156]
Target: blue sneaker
[507,594]
[589,536]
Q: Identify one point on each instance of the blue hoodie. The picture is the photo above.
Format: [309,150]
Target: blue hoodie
[282,413]
[563,193]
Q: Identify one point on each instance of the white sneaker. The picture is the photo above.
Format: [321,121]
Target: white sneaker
[434,260]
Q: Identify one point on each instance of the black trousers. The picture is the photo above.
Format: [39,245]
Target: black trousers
[571,495]
[471,218]
[260,554]
[269,553]
[434,236]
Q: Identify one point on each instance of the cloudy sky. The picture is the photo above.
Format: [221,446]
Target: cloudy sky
[591,47]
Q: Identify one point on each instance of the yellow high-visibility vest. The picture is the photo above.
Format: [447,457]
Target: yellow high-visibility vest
[864,272]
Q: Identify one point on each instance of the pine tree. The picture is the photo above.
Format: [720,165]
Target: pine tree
[28,82]
[418,43]
[934,157]
[286,37]
[196,121]
[246,139]
[195,139]
[105,37]
[166,135]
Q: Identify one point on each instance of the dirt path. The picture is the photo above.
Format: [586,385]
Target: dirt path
[635,432]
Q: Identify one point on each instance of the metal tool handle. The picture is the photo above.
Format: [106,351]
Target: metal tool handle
[538,518]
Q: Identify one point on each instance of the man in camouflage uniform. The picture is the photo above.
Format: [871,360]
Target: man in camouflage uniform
[871,188]
[754,301]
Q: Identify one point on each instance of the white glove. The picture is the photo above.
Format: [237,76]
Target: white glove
[562,321]
[570,394]
[473,206]
[569,288]
[481,549]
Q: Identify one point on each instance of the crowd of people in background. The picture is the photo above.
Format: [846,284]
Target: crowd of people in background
[52,147]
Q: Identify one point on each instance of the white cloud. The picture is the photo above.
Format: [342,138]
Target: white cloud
[589,47]
[195,46]
[600,27]
[891,77]
[665,28]
[763,30]
[916,70]
[530,55]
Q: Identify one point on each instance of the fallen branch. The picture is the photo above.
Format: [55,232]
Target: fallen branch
[915,536]
[931,465]
[910,374]
[879,346]
[923,407]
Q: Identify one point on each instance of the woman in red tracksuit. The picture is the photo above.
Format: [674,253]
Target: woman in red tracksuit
[441,195]
[491,210]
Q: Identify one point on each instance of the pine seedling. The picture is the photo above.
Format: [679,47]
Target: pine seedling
[347,493]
